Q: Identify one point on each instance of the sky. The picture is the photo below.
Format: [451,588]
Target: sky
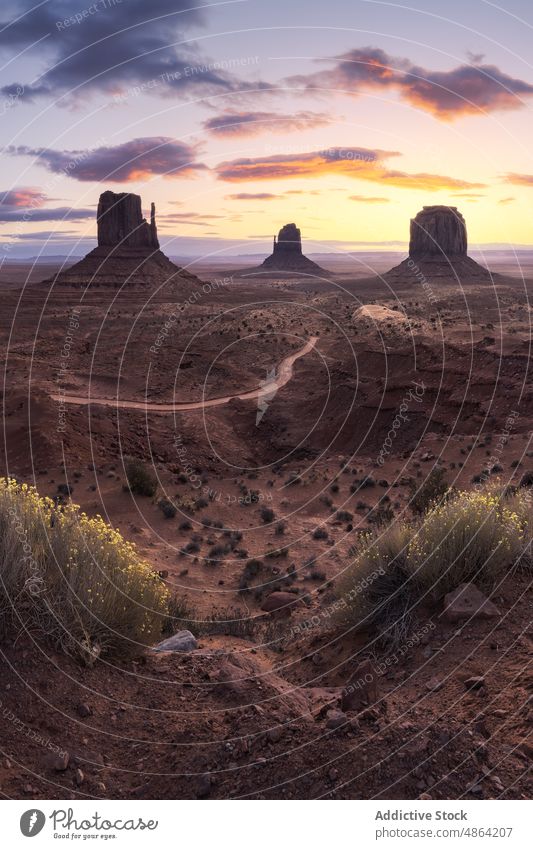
[237,117]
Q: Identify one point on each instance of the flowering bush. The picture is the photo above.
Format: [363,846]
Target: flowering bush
[473,537]
[74,579]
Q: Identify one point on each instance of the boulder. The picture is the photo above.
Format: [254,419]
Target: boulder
[181,641]
[361,689]
[335,719]
[467,602]
[278,601]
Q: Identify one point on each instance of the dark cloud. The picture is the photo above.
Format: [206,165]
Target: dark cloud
[138,159]
[173,217]
[27,204]
[231,124]
[41,236]
[357,163]
[465,90]
[62,213]
[110,47]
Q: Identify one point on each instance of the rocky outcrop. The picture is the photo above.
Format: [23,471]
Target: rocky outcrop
[128,253]
[121,223]
[287,253]
[286,257]
[437,249]
[438,231]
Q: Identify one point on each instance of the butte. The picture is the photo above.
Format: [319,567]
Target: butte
[128,253]
[438,249]
[287,257]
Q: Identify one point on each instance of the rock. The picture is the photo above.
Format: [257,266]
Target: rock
[438,231]
[361,688]
[475,682]
[58,761]
[333,774]
[287,253]
[128,251]
[181,641]
[83,710]
[335,719]
[120,222]
[434,685]
[275,734]
[437,248]
[279,601]
[203,786]
[468,602]
[79,777]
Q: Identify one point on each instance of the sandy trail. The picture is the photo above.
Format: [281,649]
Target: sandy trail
[266,390]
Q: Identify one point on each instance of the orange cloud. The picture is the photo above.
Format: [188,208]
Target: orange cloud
[368,199]
[519,179]
[356,163]
[464,90]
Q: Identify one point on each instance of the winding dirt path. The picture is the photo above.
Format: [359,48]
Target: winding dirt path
[265,390]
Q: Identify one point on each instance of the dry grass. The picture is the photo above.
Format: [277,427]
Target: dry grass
[474,536]
[73,579]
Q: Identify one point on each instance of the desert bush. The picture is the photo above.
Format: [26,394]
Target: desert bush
[73,579]
[181,614]
[434,488]
[267,515]
[320,533]
[141,481]
[344,515]
[167,508]
[376,590]
[231,622]
[473,536]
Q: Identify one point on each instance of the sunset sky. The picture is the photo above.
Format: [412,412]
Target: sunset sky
[237,117]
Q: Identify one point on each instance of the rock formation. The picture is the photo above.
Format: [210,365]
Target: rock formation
[286,258]
[128,252]
[287,253]
[438,248]
[120,222]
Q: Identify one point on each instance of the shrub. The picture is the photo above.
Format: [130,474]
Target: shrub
[167,508]
[344,516]
[141,480]
[181,614]
[281,527]
[375,590]
[73,579]
[472,537]
[320,533]
[432,490]
[267,515]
